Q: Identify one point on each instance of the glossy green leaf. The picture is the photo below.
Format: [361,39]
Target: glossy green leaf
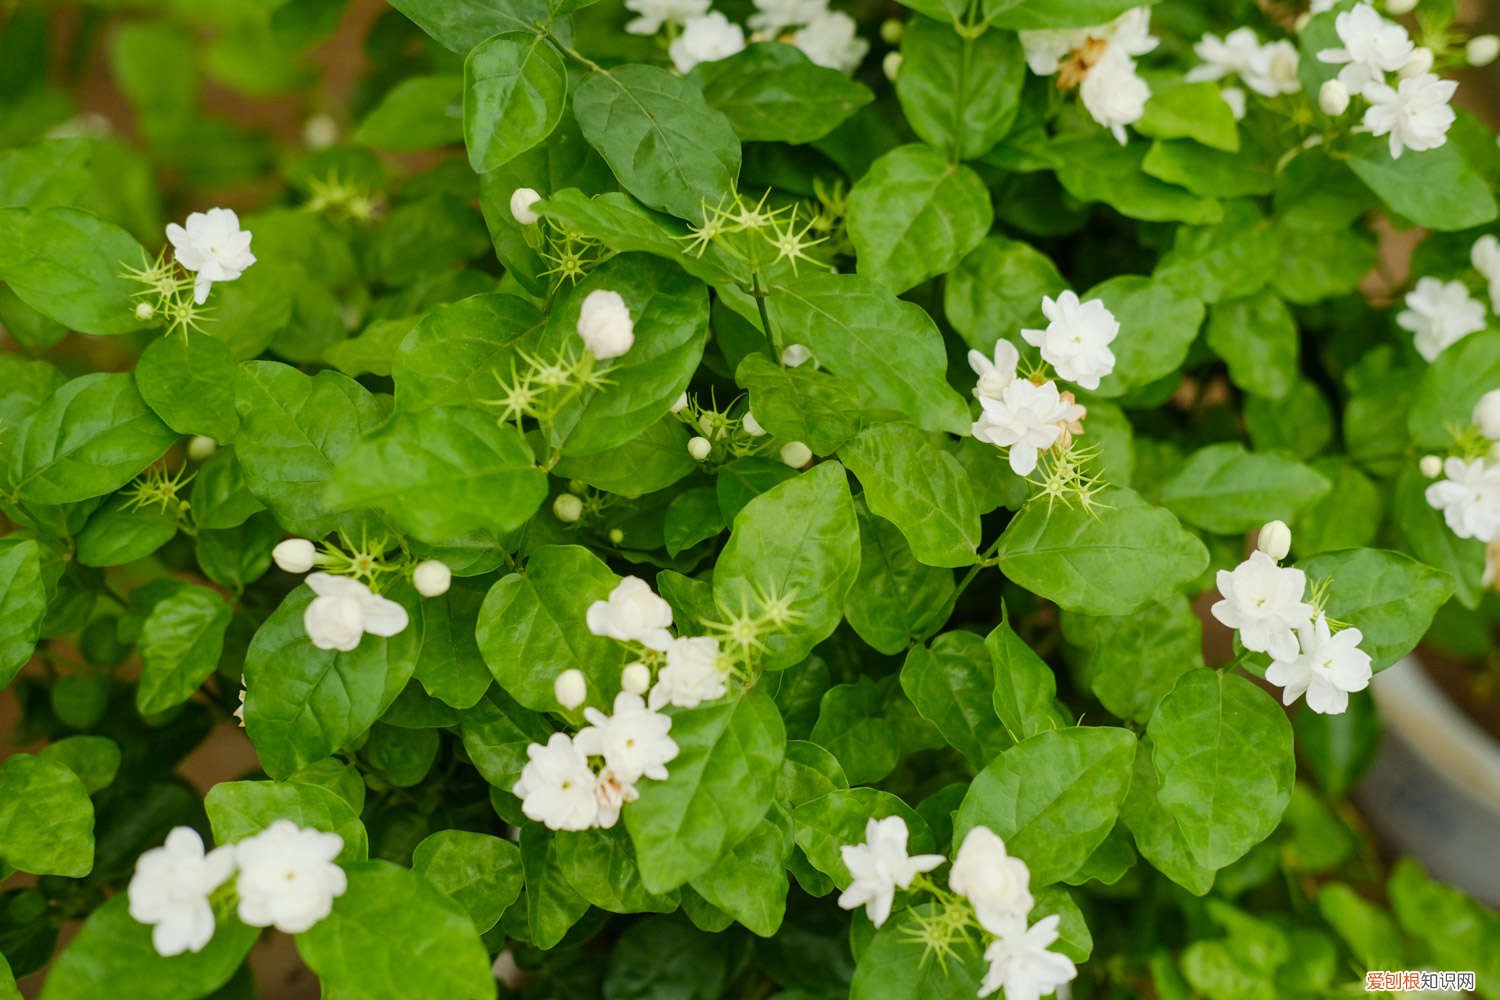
[69,265]
[23,605]
[1388,596]
[46,818]
[771,92]
[1225,489]
[180,643]
[921,489]
[515,86]
[241,809]
[480,872]
[951,682]
[959,92]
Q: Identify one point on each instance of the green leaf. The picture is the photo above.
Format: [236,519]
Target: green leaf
[1436,189]
[180,644]
[1024,693]
[682,826]
[1222,750]
[914,215]
[692,517]
[90,438]
[553,906]
[802,403]
[859,329]
[1093,167]
[440,473]
[1117,559]
[1190,111]
[293,429]
[1157,327]
[420,112]
[303,703]
[479,872]
[241,809]
[851,726]
[1428,537]
[1365,927]
[1233,258]
[457,351]
[750,882]
[1388,596]
[623,224]
[450,667]
[95,759]
[1454,928]
[1155,831]
[951,683]
[46,818]
[795,543]
[120,533]
[998,288]
[68,265]
[188,379]
[1257,337]
[652,461]
[960,93]
[895,601]
[895,965]
[660,137]
[665,956]
[515,86]
[831,821]
[1225,489]
[440,954]
[771,92]
[112,956]
[1132,661]
[1053,797]
[1024,15]
[532,627]
[459,25]
[23,605]
[496,733]
[1450,387]
[920,488]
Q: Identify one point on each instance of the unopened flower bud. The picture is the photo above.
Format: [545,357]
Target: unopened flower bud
[320,131]
[794,355]
[144,310]
[1396,8]
[1487,414]
[201,449]
[1482,50]
[1333,98]
[680,404]
[1431,466]
[571,688]
[521,200]
[604,324]
[891,65]
[796,454]
[567,508]
[1275,540]
[635,678]
[616,536]
[432,578]
[752,426]
[699,448]
[1419,63]
[295,555]
[891,30]
[1301,22]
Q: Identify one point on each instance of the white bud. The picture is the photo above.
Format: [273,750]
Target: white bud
[521,200]
[891,30]
[699,448]
[295,555]
[605,325]
[891,65]
[1482,50]
[1431,466]
[616,536]
[752,426]
[567,508]
[796,454]
[1396,8]
[635,678]
[201,449]
[432,578]
[1301,21]
[795,354]
[1487,414]
[320,131]
[1333,98]
[570,688]
[680,403]
[1275,540]
[1419,63]
[144,310]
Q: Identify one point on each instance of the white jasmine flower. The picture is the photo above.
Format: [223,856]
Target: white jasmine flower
[345,610]
[635,678]
[632,613]
[1223,56]
[1263,602]
[1275,540]
[998,885]
[1469,498]
[1329,667]
[1415,114]
[771,17]
[605,325]
[1419,64]
[796,355]
[654,13]
[1487,414]
[1045,49]
[830,40]
[170,890]
[1439,314]
[288,878]
[1235,98]
[1333,98]
[707,38]
[521,202]
[880,866]
[700,447]
[1021,964]
[680,403]
[1486,259]
[1025,420]
[610,795]
[693,674]
[295,555]
[557,787]
[1130,34]
[432,578]
[1077,338]
[570,688]
[1113,93]
[567,508]
[1272,69]
[996,375]
[795,454]
[634,741]
[213,246]
[751,425]
[1372,47]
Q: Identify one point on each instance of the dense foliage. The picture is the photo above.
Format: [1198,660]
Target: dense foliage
[740,529]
